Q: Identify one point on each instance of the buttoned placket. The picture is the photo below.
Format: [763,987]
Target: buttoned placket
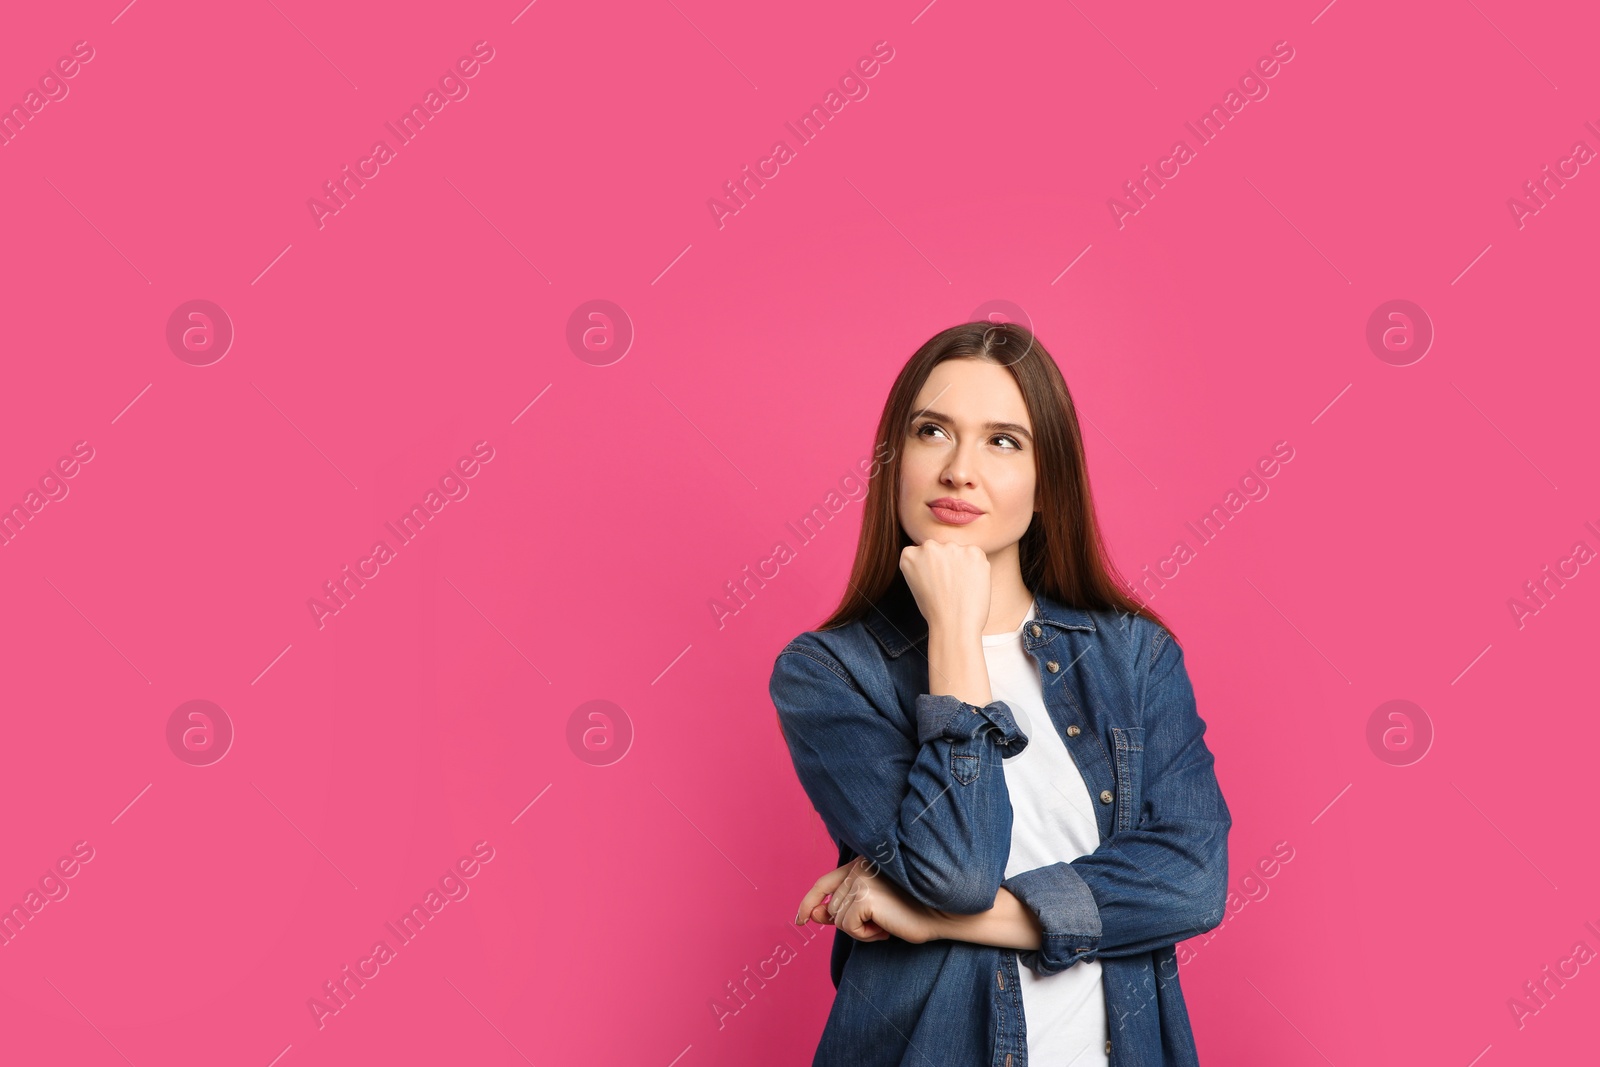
[1010,1049]
[1063,706]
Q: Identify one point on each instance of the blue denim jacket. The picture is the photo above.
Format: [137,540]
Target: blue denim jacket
[914,783]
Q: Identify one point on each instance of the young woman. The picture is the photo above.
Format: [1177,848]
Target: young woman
[1003,744]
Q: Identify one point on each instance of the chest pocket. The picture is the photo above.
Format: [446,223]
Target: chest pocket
[1128,745]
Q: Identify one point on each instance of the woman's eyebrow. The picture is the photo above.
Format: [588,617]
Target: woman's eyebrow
[1009,427]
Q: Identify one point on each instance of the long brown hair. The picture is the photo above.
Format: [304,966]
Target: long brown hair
[1062,554]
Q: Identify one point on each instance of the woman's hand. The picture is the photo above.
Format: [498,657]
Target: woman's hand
[867,906]
[951,584]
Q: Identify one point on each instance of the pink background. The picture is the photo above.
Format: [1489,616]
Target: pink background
[432,711]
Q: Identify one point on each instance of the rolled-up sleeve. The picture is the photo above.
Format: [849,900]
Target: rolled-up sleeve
[1068,916]
[925,800]
[952,718]
[1164,879]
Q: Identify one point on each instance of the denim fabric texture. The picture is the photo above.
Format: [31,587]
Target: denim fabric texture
[914,783]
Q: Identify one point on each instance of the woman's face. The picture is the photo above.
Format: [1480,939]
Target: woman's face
[970,441]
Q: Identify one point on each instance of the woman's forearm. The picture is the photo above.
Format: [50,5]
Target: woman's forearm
[1009,924]
[956,667]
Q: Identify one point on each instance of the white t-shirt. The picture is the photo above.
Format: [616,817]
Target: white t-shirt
[1052,821]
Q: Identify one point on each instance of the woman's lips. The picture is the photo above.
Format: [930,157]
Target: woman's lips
[953,517]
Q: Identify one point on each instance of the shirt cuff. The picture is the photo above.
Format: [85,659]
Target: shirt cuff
[1067,911]
[950,716]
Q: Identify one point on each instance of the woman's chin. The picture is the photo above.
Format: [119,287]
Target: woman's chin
[938,531]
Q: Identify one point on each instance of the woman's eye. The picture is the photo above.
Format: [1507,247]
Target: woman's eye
[1015,445]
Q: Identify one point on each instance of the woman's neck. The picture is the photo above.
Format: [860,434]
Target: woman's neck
[1009,598]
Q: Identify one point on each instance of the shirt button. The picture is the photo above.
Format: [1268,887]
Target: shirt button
[1052,666]
[1073,730]
[1008,1059]
[1108,1048]
[1105,796]
[1034,630]
[999,976]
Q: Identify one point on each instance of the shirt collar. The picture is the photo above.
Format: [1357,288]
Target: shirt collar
[897,622]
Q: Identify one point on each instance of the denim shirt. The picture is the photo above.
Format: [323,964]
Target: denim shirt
[914,783]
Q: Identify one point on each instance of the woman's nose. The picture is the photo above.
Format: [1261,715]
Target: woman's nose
[958,470]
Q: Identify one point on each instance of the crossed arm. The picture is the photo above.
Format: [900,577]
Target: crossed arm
[942,838]
[1009,924]
[869,907]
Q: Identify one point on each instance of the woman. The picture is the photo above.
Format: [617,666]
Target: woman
[1003,744]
